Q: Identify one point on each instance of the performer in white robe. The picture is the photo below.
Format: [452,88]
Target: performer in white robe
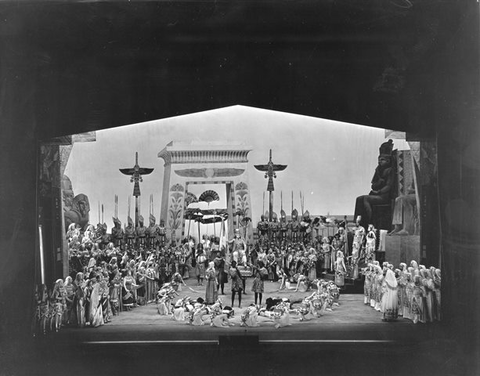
[389,296]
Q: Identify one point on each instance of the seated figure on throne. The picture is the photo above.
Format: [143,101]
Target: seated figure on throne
[239,248]
[382,186]
[405,213]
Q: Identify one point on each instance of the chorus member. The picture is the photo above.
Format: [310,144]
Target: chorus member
[96,308]
[407,304]
[211,293]
[261,274]
[219,263]
[390,296]
[418,306]
[58,300]
[236,283]
[200,265]
[340,269]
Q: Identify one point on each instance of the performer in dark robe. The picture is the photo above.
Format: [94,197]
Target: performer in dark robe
[117,233]
[305,229]
[219,263]
[262,228]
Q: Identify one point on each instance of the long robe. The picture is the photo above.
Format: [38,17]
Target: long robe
[211,293]
[96,311]
[418,306]
[407,304]
[389,305]
[340,271]
[78,310]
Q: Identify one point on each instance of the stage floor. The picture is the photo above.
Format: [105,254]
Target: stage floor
[350,340]
[352,320]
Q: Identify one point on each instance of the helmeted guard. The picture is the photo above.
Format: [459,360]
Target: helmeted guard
[141,233]
[305,228]
[130,234]
[294,226]
[262,228]
[117,233]
[162,233]
[102,238]
[274,228]
[152,233]
[283,226]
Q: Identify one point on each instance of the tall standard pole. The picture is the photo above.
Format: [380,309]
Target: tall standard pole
[270,168]
[136,177]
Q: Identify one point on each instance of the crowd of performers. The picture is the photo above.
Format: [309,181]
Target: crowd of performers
[198,312]
[412,292]
[111,273]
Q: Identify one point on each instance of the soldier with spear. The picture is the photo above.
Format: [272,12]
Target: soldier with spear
[117,231]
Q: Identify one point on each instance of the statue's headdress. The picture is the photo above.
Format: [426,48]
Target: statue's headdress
[130,221]
[386,149]
[116,221]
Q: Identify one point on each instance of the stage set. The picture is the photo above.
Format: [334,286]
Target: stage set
[214,285]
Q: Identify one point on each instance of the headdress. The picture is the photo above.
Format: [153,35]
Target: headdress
[116,221]
[130,221]
[386,149]
[390,278]
[140,219]
[294,214]
[152,219]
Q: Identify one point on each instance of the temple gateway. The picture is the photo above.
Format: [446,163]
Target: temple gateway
[200,163]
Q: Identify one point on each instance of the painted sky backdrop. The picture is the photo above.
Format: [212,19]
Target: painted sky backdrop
[330,162]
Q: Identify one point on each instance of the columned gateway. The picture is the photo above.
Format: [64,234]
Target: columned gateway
[194,163]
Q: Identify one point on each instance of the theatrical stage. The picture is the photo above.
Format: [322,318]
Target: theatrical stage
[350,338]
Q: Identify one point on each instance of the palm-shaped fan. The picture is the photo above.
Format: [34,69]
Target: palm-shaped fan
[209,196]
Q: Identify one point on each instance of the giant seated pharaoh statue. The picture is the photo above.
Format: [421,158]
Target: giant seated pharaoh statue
[376,207]
[392,204]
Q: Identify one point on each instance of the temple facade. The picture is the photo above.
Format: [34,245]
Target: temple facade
[193,163]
